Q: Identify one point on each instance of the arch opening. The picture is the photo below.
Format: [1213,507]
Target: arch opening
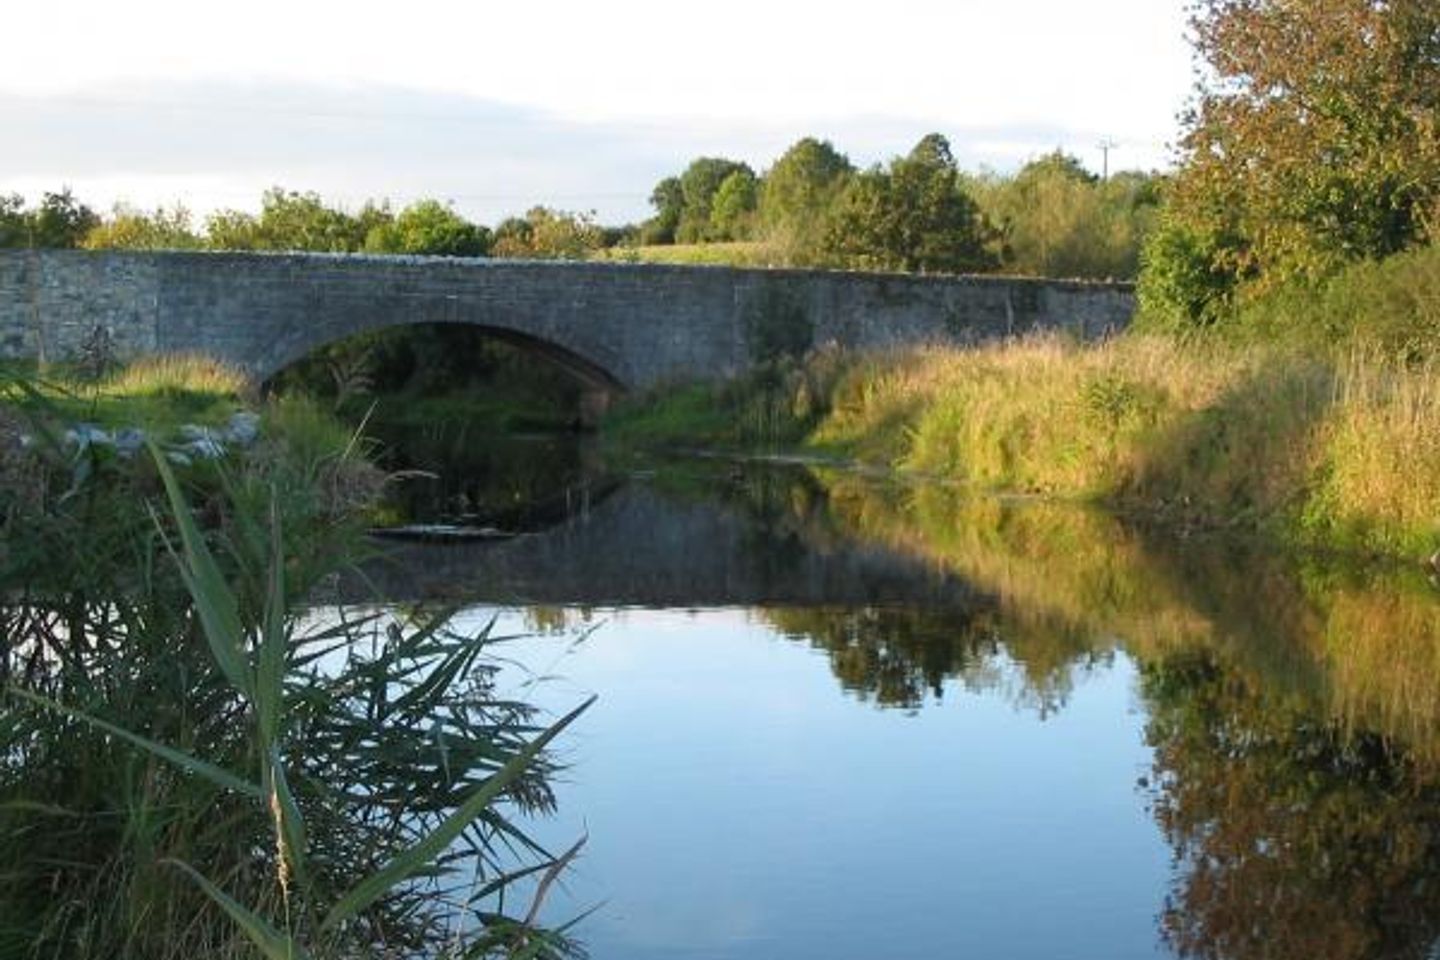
[482,425]
[428,359]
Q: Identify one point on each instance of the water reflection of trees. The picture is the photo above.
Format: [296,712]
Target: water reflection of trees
[899,656]
[1294,703]
[1293,837]
[896,656]
[1057,585]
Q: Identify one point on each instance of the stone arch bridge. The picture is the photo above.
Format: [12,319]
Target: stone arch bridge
[616,326]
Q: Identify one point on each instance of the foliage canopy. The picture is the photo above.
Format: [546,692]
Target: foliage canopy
[913,215]
[1313,141]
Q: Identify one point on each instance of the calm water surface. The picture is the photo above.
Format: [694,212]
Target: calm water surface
[740,804]
[838,718]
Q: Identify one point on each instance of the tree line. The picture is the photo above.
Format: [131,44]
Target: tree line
[293,220]
[919,213]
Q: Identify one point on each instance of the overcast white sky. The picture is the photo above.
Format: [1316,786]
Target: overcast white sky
[580,105]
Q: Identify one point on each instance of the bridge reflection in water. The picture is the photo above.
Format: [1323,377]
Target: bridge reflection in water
[631,544]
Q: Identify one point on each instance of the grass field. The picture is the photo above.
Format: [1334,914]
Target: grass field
[693,254]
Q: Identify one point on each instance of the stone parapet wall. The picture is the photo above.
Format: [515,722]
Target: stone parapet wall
[615,325]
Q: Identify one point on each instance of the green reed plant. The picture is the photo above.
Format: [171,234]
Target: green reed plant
[192,766]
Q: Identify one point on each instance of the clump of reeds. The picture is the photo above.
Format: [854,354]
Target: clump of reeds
[196,767]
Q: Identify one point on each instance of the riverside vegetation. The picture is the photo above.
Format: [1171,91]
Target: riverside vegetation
[198,760]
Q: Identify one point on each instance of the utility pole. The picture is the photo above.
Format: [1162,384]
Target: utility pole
[1106,145]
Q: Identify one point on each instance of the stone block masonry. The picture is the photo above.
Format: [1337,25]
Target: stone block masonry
[616,326]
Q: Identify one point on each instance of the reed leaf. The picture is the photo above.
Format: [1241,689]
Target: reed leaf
[274,641]
[407,863]
[271,942]
[216,775]
[214,600]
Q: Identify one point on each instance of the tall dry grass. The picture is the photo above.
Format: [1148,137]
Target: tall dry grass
[1380,477]
[172,372]
[1324,448]
[157,392]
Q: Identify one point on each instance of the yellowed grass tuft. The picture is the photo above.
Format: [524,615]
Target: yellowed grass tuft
[192,373]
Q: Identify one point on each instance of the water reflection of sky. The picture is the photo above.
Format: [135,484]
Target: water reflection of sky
[740,804]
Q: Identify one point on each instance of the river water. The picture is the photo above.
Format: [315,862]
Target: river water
[841,716]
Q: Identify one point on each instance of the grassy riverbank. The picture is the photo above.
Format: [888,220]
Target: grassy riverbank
[159,392]
[1325,448]
[1329,450]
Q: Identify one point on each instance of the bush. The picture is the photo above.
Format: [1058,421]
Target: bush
[1184,285]
[1392,305]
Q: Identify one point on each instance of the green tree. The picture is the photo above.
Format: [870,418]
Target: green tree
[231,230]
[1313,139]
[301,221]
[797,194]
[668,199]
[431,228]
[732,213]
[290,220]
[913,216]
[1056,219]
[1187,280]
[698,186]
[547,234]
[60,222]
[130,229]
[14,229]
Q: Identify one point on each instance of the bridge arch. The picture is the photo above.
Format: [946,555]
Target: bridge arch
[265,313]
[588,375]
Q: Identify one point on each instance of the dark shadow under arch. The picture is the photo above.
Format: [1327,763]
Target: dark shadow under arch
[592,378]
